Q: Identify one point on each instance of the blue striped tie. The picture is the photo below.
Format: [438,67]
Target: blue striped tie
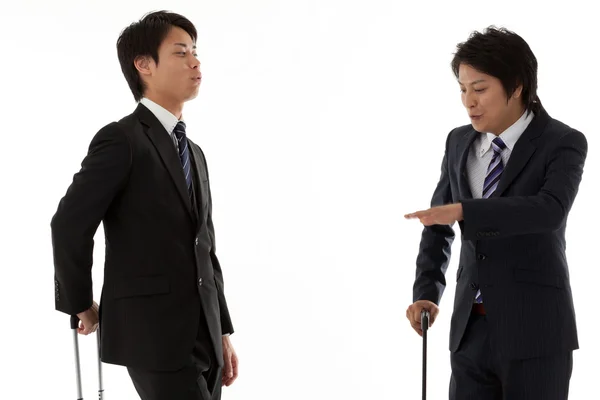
[184,154]
[492,179]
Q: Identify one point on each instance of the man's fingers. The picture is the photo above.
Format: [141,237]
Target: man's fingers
[87,328]
[234,365]
[416,325]
[228,367]
[417,329]
[234,371]
[424,217]
[425,221]
[413,314]
[417,317]
[432,316]
[417,214]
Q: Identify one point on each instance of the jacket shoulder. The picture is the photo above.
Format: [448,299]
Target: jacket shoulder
[125,126]
[457,134]
[557,130]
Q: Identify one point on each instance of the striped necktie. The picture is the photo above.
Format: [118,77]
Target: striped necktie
[184,154]
[494,169]
[494,172]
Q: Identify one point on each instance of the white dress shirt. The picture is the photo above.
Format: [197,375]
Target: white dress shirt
[168,120]
[481,152]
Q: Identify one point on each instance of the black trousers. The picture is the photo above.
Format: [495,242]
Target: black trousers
[199,379]
[480,373]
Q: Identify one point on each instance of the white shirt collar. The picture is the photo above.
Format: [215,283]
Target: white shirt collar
[168,120]
[509,136]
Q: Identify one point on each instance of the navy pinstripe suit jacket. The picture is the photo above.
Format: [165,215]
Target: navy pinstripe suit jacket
[512,244]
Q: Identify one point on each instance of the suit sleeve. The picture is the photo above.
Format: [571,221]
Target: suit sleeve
[226,324]
[435,246]
[500,217]
[103,173]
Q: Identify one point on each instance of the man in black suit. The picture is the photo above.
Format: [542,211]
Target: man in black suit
[509,179]
[162,311]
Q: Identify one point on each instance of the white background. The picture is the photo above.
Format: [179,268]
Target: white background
[323,122]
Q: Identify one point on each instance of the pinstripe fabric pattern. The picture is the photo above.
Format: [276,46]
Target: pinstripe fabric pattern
[490,184]
[481,156]
[480,373]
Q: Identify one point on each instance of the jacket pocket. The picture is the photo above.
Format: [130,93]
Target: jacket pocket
[543,278]
[141,286]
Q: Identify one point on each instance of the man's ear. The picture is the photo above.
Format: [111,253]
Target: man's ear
[518,92]
[142,64]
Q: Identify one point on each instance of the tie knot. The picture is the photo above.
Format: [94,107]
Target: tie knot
[179,130]
[498,145]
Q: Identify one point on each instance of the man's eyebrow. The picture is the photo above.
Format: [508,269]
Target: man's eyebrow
[184,45]
[474,82]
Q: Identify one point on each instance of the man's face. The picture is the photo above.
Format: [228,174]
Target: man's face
[177,75]
[486,102]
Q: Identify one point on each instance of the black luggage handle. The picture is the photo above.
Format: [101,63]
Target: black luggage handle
[425,317]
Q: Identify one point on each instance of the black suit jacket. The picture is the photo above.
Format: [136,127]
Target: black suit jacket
[512,244]
[161,274]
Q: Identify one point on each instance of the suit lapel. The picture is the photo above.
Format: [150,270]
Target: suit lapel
[167,151]
[518,159]
[463,147]
[522,152]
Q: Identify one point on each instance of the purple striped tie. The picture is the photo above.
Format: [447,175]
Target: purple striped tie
[184,154]
[494,169]
[491,180]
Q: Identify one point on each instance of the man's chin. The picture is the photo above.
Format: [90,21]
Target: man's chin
[478,126]
[192,96]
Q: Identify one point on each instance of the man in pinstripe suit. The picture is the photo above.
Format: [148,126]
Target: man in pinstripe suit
[509,179]
[163,312]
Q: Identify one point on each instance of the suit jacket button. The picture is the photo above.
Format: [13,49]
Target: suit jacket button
[200,282]
[481,257]
[473,285]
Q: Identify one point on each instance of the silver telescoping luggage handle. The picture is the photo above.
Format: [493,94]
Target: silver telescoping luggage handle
[74,326]
[425,316]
